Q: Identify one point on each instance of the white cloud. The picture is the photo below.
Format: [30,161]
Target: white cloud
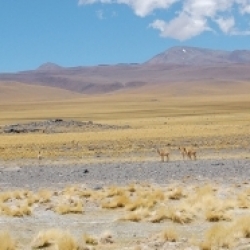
[140,7]
[183,27]
[206,8]
[226,24]
[145,7]
[244,6]
[193,18]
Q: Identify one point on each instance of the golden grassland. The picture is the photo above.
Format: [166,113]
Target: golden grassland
[18,92]
[202,122]
[181,208]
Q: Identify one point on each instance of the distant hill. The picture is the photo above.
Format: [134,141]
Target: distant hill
[19,92]
[198,56]
[49,66]
[178,71]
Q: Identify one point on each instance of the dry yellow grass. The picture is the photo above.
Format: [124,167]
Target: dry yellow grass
[217,237]
[207,123]
[170,234]
[136,216]
[90,240]
[44,195]
[6,241]
[205,205]
[54,237]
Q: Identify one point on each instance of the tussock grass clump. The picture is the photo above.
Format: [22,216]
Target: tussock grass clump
[85,193]
[44,195]
[6,241]
[31,199]
[115,191]
[5,196]
[19,194]
[159,215]
[90,240]
[106,238]
[71,190]
[135,204]
[243,201]
[16,211]
[67,208]
[62,209]
[178,215]
[176,194]
[131,188]
[54,237]
[136,216]
[170,234]
[242,226]
[141,202]
[158,195]
[217,215]
[218,236]
[205,190]
[116,202]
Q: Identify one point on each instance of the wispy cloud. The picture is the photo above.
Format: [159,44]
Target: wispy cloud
[193,18]
[226,24]
[100,14]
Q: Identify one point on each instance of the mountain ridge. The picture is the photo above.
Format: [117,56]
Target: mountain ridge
[198,67]
[199,56]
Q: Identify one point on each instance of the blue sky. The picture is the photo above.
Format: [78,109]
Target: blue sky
[90,32]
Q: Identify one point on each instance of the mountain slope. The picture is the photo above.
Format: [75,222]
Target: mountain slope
[20,92]
[179,68]
[198,56]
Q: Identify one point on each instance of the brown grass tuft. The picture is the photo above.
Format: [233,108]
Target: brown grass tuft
[137,215]
[106,238]
[159,215]
[54,237]
[6,241]
[44,195]
[242,225]
[90,240]
[176,194]
[217,215]
[218,236]
[116,202]
[170,234]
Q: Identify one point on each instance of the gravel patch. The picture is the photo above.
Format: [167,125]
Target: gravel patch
[97,175]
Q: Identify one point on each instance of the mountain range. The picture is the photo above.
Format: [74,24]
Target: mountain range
[176,71]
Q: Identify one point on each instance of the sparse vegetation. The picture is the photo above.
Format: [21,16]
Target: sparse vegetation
[6,241]
[61,240]
[170,234]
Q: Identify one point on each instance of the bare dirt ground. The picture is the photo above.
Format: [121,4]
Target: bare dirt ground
[36,175]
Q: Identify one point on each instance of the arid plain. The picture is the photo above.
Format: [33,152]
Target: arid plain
[97,181]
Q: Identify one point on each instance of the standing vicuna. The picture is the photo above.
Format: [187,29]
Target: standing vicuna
[190,153]
[183,152]
[39,156]
[163,153]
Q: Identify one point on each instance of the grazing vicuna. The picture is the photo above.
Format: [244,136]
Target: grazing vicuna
[163,153]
